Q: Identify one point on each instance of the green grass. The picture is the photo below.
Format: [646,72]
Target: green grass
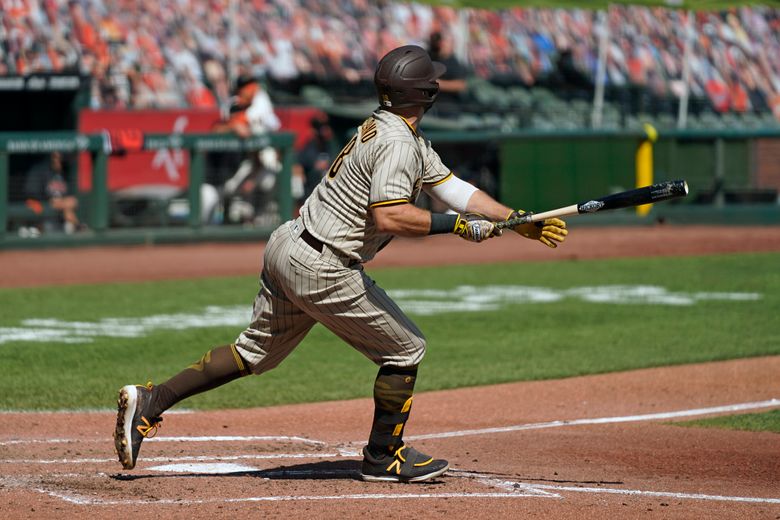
[752,422]
[517,342]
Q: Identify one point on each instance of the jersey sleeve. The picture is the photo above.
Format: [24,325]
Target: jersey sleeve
[435,170]
[396,170]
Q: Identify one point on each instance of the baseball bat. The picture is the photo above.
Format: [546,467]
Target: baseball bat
[625,199]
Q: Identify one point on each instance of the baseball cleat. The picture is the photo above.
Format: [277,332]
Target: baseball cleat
[405,465]
[134,423]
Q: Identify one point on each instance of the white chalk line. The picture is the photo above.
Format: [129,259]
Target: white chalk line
[194,458]
[212,438]
[78,500]
[60,411]
[770,403]
[516,489]
[510,489]
[659,494]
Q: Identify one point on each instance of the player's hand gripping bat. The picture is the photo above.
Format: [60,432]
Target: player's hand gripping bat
[625,199]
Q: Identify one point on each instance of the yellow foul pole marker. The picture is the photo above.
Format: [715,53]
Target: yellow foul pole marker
[644,165]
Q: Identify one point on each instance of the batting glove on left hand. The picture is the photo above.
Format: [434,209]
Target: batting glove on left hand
[548,232]
[475,227]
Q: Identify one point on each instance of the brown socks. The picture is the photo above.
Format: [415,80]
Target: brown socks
[217,367]
[393,390]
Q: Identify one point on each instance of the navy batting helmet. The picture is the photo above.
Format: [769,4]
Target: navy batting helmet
[406,77]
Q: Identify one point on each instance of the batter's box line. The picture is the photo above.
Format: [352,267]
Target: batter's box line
[679,414]
[186,458]
[508,489]
[81,500]
[181,438]
[347,448]
[514,489]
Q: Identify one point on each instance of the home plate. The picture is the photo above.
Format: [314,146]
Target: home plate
[209,468]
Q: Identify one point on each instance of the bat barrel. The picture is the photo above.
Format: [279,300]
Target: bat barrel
[668,190]
[637,197]
[625,199]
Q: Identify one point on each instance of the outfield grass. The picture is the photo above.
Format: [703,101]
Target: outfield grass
[519,341]
[752,422]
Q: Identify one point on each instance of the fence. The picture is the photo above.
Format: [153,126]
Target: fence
[734,177]
[98,204]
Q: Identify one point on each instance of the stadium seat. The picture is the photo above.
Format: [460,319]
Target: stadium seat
[519,97]
[492,121]
[468,121]
[316,96]
[751,120]
[539,122]
[666,122]
[710,120]
[768,119]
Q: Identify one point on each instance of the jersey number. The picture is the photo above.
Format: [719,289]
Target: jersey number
[334,168]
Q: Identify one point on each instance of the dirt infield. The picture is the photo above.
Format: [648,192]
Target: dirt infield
[589,447]
[600,446]
[139,263]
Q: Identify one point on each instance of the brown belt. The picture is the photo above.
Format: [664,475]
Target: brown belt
[315,244]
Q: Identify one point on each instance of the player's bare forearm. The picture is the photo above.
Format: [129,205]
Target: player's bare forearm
[481,202]
[405,220]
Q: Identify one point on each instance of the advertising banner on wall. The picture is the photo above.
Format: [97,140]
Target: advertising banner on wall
[126,128]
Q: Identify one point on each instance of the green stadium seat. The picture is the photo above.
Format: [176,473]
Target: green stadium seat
[316,96]
[710,121]
[633,123]
[751,120]
[511,122]
[666,122]
[469,121]
[730,120]
[492,121]
[540,122]
[519,97]
[768,119]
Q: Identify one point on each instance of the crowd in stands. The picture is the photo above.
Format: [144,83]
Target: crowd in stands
[151,54]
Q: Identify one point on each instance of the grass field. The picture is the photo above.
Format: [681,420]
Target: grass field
[484,330]
[752,422]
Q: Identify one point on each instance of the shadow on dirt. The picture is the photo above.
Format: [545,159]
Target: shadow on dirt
[326,470]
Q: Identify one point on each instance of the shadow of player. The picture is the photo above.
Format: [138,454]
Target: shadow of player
[325,470]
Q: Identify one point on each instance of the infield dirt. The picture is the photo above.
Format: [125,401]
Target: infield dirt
[532,449]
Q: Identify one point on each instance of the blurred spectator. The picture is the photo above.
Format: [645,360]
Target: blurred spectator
[718,93]
[249,193]
[317,154]
[738,96]
[147,49]
[452,84]
[570,80]
[46,186]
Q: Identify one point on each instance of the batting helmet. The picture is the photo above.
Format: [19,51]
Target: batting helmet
[406,77]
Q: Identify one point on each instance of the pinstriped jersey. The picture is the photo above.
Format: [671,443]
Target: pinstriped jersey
[386,162]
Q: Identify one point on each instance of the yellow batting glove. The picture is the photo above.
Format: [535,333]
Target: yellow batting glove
[475,227]
[548,231]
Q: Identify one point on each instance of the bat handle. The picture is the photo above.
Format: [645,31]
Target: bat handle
[525,218]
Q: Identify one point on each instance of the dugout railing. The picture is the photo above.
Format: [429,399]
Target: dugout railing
[96,202]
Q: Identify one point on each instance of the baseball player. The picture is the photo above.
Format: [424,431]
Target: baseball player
[313,272]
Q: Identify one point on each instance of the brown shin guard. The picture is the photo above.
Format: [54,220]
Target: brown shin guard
[217,367]
[393,391]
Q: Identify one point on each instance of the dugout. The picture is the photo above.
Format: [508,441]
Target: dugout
[39,103]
